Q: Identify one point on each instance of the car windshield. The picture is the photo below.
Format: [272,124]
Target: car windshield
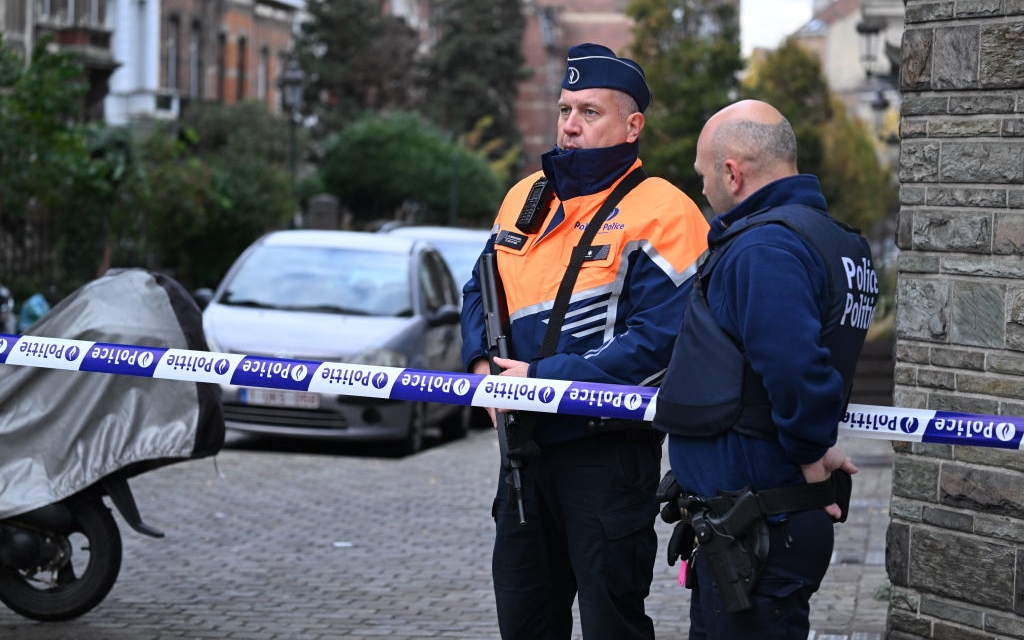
[461,257]
[322,279]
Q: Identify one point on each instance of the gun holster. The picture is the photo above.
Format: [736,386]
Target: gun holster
[731,529]
[735,543]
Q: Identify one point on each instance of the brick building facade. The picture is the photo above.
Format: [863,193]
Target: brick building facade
[551,28]
[225,51]
[955,552]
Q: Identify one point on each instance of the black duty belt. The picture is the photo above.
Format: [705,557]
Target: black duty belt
[618,430]
[794,498]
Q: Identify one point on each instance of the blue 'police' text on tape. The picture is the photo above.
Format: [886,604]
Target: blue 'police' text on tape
[504,392]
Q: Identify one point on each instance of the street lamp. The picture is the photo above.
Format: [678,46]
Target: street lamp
[869,30]
[292,83]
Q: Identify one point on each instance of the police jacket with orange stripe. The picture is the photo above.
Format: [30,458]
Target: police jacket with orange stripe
[630,294]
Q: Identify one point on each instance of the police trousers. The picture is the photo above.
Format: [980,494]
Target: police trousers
[798,557]
[590,509]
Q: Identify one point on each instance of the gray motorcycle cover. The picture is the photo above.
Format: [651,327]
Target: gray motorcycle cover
[62,431]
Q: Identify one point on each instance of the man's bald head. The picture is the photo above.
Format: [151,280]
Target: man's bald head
[756,133]
[753,143]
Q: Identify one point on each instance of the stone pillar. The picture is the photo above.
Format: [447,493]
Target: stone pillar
[955,545]
[323,212]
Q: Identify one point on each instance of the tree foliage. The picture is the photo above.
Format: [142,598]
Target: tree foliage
[474,68]
[859,190]
[245,128]
[76,198]
[380,165]
[689,50]
[41,148]
[832,145]
[54,173]
[162,206]
[791,80]
[203,191]
[355,60]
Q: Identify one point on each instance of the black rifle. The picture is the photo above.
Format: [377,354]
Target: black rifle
[514,437]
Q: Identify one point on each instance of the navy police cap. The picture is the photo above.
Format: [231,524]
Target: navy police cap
[593,66]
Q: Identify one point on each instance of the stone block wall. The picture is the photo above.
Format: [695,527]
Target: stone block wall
[955,553]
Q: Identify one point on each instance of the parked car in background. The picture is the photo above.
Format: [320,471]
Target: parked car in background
[460,246]
[339,296]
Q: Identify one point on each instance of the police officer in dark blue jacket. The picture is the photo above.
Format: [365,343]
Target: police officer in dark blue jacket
[759,380]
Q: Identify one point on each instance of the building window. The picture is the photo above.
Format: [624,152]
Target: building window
[51,10]
[171,53]
[262,74]
[242,64]
[222,52]
[97,13]
[195,61]
[16,12]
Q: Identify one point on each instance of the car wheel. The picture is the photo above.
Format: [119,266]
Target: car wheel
[456,426]
[413,440]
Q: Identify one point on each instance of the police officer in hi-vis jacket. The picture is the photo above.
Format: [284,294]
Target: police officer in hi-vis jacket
[589,491]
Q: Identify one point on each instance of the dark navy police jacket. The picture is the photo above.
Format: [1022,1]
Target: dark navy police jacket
[764,361]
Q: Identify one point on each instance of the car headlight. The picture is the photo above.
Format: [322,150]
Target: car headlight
[381,358]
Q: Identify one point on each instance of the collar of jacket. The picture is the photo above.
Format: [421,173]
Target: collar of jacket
[581,172]
[802,189]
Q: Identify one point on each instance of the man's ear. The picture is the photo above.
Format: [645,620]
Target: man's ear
[734,174]
[634,125]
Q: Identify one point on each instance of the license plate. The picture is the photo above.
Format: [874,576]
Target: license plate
[279,398]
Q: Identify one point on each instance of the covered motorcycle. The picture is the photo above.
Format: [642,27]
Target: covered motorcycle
[69,438]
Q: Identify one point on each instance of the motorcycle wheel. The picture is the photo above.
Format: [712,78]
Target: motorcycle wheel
[79,578]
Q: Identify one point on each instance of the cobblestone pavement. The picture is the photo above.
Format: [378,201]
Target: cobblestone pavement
[322,542]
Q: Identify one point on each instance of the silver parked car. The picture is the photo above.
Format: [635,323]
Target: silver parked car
[339,296]
[460,246]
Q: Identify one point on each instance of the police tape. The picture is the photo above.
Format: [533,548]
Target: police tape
[527,394]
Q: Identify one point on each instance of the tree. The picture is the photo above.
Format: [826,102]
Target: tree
[791,79]
[83,223]
[355,60]
[55,176]
[76,198]
[473,70]
[859,190]
[382,164]
[689,50]
[833,146]
[203,190]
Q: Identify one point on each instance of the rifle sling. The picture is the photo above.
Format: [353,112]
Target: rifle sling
[579,252]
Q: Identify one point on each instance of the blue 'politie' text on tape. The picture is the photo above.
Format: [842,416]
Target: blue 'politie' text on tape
[504,392]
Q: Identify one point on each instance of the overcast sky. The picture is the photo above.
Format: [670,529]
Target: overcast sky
[764,23]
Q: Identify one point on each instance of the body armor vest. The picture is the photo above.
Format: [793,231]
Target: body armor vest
[709,387]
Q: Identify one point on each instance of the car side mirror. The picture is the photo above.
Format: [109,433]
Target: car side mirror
[202,296]
[445,314]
